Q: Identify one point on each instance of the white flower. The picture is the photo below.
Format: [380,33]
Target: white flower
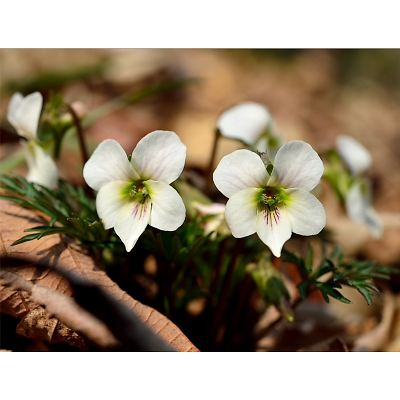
[252,124]
[359,207]
[273,206]
[356,157]
[215,221]
[24,114]
[42,168]
[359,197]
[133,194]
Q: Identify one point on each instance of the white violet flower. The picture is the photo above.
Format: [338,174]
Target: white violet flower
[356,157]
[133,194]
[359,207]
[273,206]
[252,124]
[24,114]
[215,222]
[359,197]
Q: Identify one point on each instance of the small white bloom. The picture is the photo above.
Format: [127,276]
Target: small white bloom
[133,194]
[359,197]
[252,124]
[42,168]
[216,218]
[356,157]
[24,114]
[359,207]
[273,206]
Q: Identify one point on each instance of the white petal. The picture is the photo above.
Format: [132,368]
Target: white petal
[132,221]
[110,200]
[42,168]
[15,101]
[24,114]
[373,222]
[307,214]
[297,165]
[159,156]
[359,208]
[245,122]
[356,157]
[240,170]
[241,212]
[274,229]
[209,209]
[168,211]
[108,163]
[356,203]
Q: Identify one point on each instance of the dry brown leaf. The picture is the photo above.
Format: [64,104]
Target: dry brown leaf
[51,324]
[377,338]
[62,252]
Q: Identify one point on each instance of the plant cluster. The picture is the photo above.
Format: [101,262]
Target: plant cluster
[173,245]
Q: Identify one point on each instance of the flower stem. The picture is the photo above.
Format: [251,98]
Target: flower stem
[225,289]
[79,130]
[211,163]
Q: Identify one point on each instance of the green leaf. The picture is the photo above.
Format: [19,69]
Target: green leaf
[329,290]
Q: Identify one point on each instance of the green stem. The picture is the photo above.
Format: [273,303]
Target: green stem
[211,163]
[218,269]
[225,289]
[82,144]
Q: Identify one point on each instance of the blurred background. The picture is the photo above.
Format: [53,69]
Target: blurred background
[314,95]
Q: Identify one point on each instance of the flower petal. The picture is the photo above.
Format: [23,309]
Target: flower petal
[245,122]
[240,170]
[373,222]
[307,214]
[13,105]
[24,113]
[110,200]
[132,220]
[359,208]
[297,165]
[209,209]
[356,203]
[159,156]
[241,212]
[168,211]
[356,157]
[274,229]
[42,168]
[108,163]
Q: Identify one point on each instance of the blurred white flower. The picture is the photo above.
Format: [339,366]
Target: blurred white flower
[273,206]
[355,156]
[24,114]
[359,207]
[215,221]
[42,168]
[359,197]
[133,194]
[252,124]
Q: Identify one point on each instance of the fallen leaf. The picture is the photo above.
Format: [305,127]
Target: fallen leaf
[377,338]
[66,255]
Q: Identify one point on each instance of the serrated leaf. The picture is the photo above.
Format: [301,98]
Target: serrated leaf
[367,294]
[328,289]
